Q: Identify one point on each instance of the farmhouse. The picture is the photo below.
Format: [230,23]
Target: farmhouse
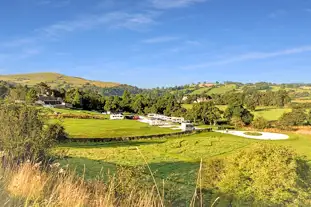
[51,101]
[116,117]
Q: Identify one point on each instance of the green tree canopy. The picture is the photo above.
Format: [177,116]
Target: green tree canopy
[237,110]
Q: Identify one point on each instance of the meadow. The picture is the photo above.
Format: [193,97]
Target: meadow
[269,113]
[175,160]
[93,128]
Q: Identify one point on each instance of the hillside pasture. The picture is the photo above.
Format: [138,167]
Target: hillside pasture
[92,128]
[53,79]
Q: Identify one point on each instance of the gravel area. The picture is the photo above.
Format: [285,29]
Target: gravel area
[264,136]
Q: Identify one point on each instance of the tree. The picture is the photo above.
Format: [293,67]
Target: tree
[43,89]
[239,111]
[138,104]
[76,102]
[260,123]
[125,104]
[297,117]
[17,94]
[31,96]
[205,112]
[263,175]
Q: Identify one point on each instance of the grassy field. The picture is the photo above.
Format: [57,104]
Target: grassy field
[176,160]
[91,128]
[53,79]
[269,113]
[218,90]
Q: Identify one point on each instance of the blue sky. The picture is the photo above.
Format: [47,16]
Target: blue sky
[152,43]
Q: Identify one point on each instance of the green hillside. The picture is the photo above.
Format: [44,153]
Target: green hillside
[54,79]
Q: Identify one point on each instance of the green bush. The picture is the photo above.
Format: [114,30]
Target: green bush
[260,123]
[56,132]
[23,134]
[264,175]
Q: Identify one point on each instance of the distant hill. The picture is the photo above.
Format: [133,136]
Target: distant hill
[54,80]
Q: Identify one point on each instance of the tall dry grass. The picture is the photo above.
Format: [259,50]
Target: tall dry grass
[62,188]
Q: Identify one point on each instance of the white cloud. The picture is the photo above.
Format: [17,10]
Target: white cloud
[131,21]
[168,4]
[161,39]
[252,56]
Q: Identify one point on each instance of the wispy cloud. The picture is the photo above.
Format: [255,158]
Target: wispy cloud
[131,21]
[251,56]
[113,20]
[29,53]
[18,42]
[161,39]
[168,4]
[54,3]
[193,42]
[277,13]
[308,10]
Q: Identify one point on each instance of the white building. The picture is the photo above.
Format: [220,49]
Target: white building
[116,117]
[187,127]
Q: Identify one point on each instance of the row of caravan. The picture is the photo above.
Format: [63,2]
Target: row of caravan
[166,118]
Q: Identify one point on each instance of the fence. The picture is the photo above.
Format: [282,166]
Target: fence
[123,139]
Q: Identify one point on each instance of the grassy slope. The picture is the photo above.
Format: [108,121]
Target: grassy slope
[91,128]
[53,79]
[218,90]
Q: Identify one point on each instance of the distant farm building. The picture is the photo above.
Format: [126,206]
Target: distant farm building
[51,101]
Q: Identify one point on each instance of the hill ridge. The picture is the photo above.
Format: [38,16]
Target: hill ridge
[54,79]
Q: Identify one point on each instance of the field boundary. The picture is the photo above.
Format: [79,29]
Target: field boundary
[123,139]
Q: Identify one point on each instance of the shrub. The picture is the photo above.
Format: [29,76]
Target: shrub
[237,122]
[260,123]
[297,117]
[264,175]
[56,132]
[23,134]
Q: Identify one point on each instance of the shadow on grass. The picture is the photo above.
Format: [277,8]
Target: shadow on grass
[88,145]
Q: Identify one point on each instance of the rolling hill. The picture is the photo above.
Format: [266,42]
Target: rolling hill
[54,80]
